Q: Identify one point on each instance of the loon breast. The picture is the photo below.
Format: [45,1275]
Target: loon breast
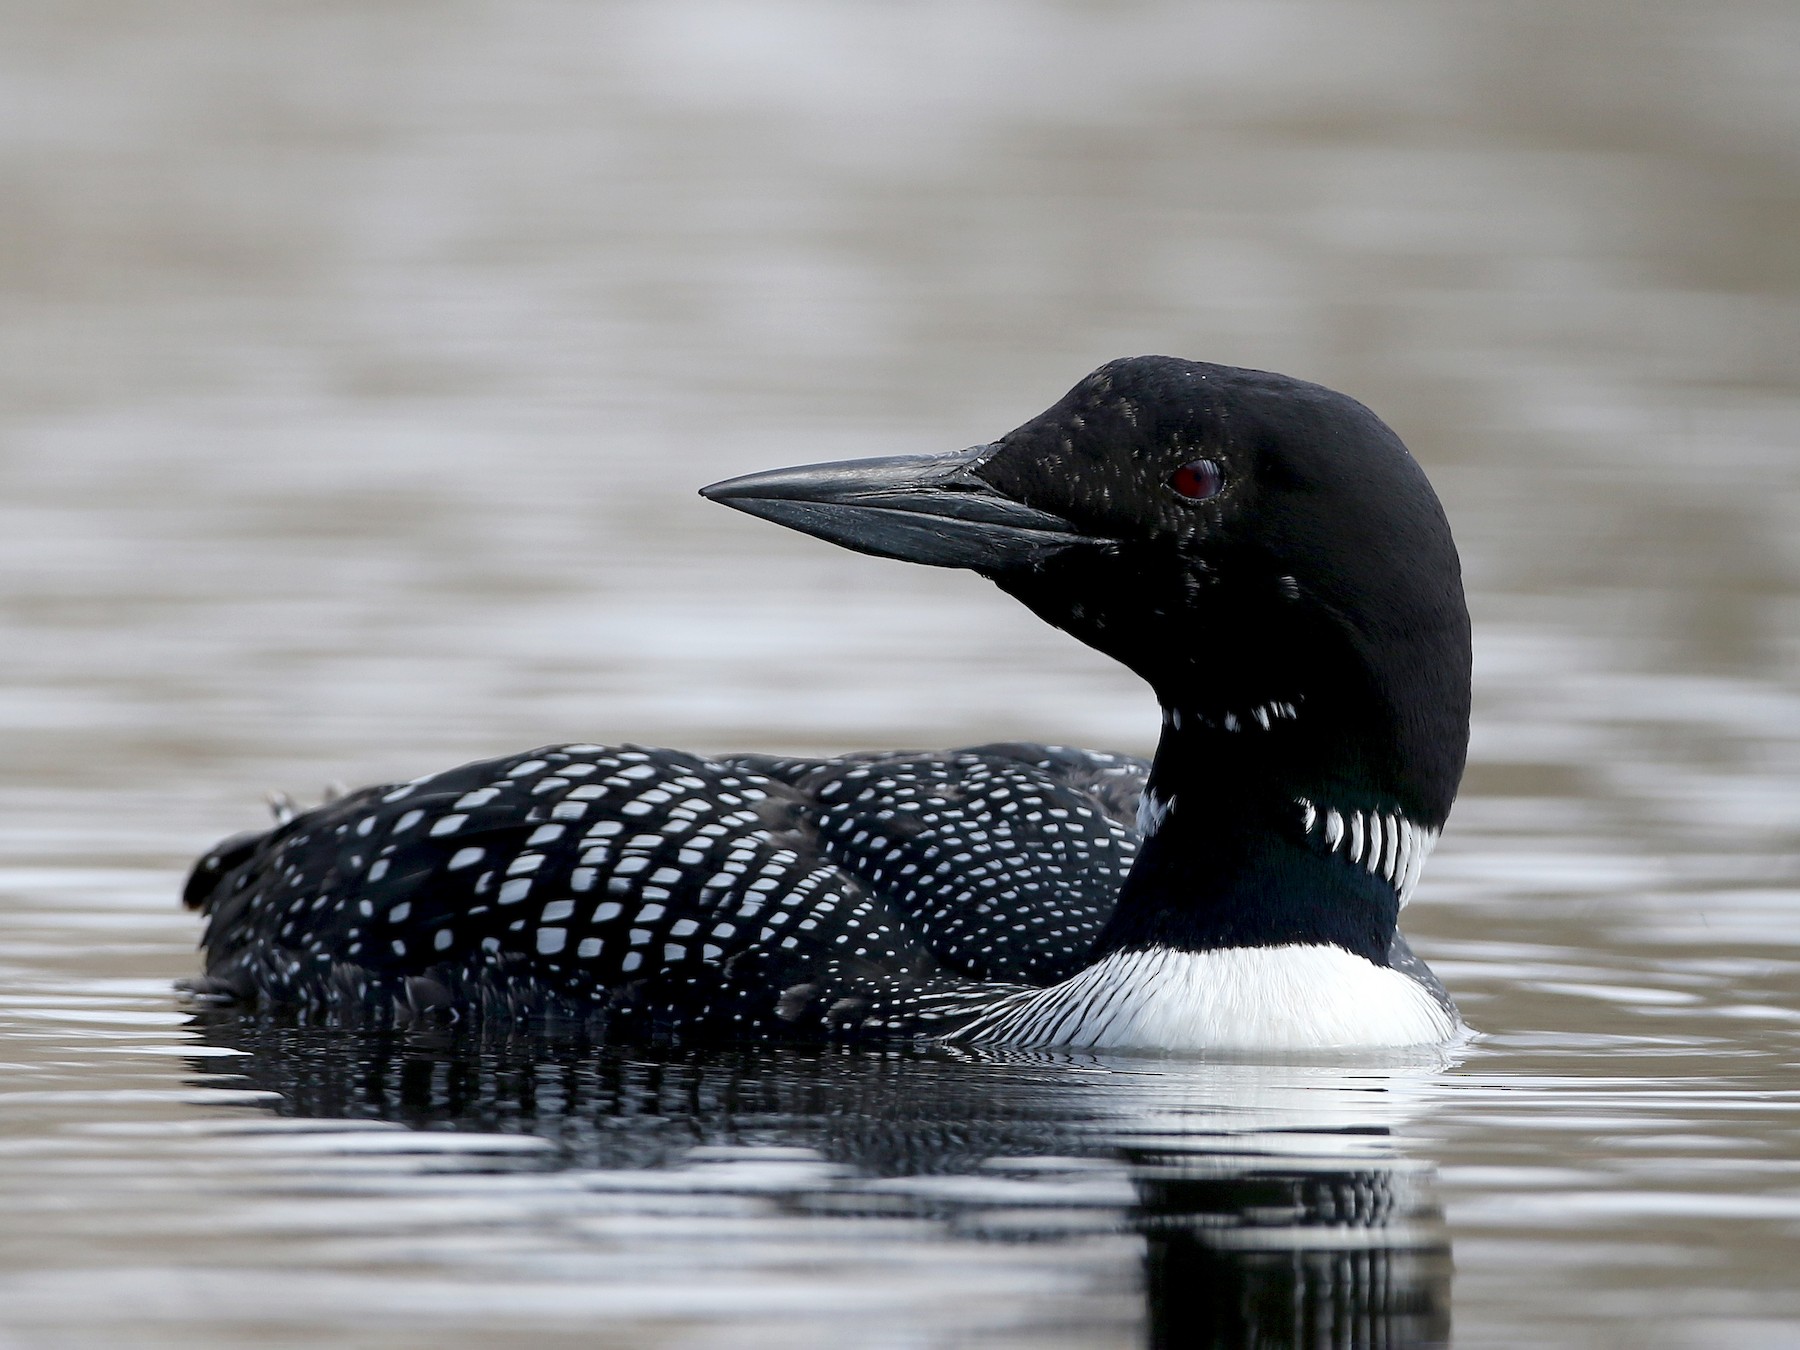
[1312,996]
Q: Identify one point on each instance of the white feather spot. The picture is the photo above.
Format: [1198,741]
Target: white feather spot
[1152,811]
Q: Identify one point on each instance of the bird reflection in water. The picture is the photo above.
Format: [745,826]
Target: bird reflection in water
[1291,1253]
[1276,1203]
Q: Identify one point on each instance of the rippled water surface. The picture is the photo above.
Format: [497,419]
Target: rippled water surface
[357,365]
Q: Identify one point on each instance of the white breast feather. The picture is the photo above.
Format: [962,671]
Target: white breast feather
[1296,997]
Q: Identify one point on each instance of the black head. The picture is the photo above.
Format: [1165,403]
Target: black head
[1263,551]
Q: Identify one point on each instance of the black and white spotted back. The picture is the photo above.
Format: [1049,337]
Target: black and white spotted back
[649,890]
[1004,860]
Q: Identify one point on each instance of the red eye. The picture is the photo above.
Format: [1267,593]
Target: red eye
[1198,479]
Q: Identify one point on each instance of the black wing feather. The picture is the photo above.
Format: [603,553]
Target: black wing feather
[653,890]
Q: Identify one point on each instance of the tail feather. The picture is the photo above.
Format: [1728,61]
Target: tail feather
[211,869]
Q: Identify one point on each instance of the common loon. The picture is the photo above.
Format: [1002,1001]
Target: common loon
[1264,552]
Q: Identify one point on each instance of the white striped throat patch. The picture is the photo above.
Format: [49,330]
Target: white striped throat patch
[1386,843]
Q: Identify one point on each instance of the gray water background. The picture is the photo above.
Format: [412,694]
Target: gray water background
[358,364]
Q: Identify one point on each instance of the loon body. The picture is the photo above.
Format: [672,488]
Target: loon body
[1263,551]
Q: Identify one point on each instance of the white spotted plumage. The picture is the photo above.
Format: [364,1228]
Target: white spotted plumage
[1001,864]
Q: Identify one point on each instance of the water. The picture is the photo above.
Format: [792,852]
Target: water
[358,367]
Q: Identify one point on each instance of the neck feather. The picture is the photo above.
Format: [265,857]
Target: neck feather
[1253,839]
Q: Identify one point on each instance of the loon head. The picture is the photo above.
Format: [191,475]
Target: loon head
[1263,551]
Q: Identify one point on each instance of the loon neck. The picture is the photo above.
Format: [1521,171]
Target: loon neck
[1254,837]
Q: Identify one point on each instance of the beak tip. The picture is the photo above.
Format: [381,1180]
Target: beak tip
[725,492]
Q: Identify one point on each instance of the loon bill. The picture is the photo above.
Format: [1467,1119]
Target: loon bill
[1262,551]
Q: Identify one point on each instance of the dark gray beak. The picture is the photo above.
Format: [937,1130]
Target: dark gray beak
[919,508]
